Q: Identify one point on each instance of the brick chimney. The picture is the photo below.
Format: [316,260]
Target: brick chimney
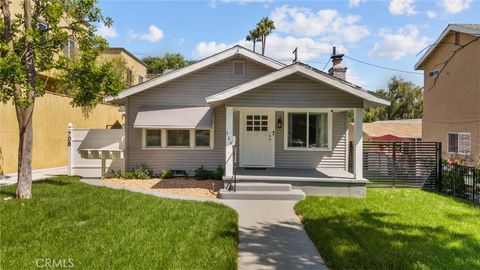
[338,69]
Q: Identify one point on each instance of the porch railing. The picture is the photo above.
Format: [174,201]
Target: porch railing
[232,185]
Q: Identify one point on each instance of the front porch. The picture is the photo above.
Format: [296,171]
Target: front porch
[324,182]
[294,175]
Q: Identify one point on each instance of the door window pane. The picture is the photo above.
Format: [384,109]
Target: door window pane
[202,137]
[154,137]
[178,138]
[259,123]
[317,130]
[297,129]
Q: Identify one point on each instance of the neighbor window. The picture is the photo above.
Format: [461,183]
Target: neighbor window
[308,130]
[178,138]
[129,76]
[140,79]
[459,143]
[153,138]
[434,73]
[70,47]
[202,138]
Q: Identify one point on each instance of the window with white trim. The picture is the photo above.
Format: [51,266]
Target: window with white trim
[153,138]
[178,138]
[459,143]
[308,130]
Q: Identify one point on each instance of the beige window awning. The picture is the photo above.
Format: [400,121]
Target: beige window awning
[185,117]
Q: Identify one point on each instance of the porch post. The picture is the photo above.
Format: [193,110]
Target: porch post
[229,142]
[358,142]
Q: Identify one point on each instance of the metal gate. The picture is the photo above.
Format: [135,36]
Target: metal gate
[402,164]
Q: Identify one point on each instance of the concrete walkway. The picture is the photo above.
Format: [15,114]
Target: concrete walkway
[11,179]
[272,237]
[271,234]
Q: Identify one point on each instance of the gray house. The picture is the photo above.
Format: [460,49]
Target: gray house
[283,122]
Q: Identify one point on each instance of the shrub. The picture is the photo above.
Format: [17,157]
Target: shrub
[142,172]
[166,174]
[218,173]
[202,173]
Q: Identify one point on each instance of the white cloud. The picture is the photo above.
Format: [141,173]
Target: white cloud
[279,48]
[326,24]
[402,7]
[431,14]
[205,49]
[131,35]
[355,3]
[406,40]
[353,76]
[154,34]
[107,32]
[455,6]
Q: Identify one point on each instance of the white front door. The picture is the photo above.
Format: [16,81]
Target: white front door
[257,138]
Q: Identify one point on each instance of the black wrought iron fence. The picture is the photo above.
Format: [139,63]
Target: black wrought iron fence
[460,181]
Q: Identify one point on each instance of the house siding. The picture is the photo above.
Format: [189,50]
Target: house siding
[451,104]
[296,91]
[335,159]
[189,90]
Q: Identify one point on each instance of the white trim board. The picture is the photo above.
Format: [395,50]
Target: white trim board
[298,68]
[236,50]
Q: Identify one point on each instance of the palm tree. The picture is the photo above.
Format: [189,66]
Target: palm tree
[265,27]
[254,36]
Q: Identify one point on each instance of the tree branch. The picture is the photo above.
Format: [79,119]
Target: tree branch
[445,63]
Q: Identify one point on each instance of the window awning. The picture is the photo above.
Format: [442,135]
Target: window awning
[185,117]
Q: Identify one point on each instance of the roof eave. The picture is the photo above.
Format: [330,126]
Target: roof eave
[197,66]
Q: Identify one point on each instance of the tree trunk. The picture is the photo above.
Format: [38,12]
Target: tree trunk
[264,41]
[25,145]
[25,114]
[253,45]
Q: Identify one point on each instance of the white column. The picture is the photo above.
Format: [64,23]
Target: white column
[69,148]
[358,143]
[229,142]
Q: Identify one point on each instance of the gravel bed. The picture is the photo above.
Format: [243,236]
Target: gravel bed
[177,186]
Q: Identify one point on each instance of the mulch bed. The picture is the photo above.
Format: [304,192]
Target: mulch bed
[176,186]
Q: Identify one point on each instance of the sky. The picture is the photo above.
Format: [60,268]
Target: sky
[390,34]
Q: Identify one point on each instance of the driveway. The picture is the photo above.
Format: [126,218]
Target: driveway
[272,237]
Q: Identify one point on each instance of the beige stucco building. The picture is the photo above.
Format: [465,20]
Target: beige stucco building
[136,69]
[451,112]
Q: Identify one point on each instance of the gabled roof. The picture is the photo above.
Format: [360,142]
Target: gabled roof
[471,29]
[115,50]
[306,70]
[221,56]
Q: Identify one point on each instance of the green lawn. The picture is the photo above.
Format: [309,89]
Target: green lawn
[394,229]
[101,228]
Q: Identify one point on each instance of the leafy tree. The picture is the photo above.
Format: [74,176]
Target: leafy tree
[406,102]
[265,27]
[33,44]
[254,36]
[157,65]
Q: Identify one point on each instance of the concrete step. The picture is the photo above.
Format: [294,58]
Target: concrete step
[292,195]
[263,187]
